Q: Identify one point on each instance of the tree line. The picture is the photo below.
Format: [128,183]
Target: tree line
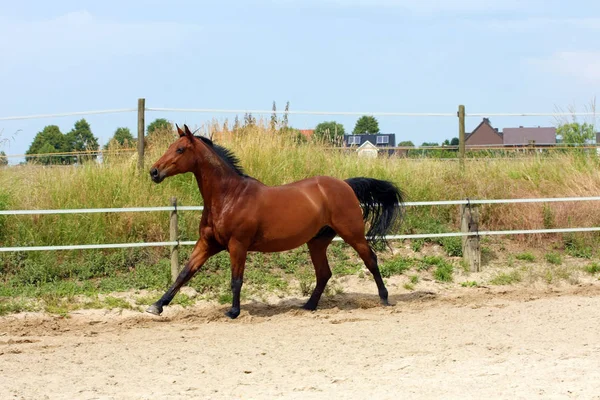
[80,138]
[51,146]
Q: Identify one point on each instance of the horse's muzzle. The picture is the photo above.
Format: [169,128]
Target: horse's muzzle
[156,175]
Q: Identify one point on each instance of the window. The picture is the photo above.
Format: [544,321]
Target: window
[354,139]
[383,139]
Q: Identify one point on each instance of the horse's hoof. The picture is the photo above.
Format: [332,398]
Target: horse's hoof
[385,302]
[309,307]
[233,314]
[154,309]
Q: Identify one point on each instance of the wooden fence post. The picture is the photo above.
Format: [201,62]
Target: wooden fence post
[470,244]
[461,135]
[174,237]
[141,131]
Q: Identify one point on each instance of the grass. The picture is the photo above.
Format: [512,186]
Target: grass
[529,257]
[578,246]
[554,258]
[395,266]
[443,269]
[56,277]
[593,268]
[506,278]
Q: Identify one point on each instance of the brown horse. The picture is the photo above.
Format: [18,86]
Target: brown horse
[242,214]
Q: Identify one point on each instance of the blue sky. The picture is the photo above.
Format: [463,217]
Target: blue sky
[330,55]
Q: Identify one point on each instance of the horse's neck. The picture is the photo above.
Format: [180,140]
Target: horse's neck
[215,179]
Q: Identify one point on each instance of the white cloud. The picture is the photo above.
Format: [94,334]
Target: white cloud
[82,35]
[583,66]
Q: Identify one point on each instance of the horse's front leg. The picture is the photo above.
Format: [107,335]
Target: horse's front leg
[202,251]
[237,256]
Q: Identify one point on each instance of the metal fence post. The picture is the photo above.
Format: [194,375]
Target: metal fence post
[174,237]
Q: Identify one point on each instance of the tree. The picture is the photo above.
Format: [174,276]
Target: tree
[455,141]
[47,159]
[330,131]
[366,124]
[3,159]
[574,133]
[429,144]
[122,137]
[406,143]
[80,138]
[236,124]
[158,124]
[49,140]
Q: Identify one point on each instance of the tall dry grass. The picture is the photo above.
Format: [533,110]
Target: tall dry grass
[276,158]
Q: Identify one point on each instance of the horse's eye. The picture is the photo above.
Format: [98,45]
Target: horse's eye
[180,150]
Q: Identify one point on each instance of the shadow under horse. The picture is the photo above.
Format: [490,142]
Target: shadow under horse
[241,214]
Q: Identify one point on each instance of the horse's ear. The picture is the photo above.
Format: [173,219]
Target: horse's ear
[188,133]
[181,133]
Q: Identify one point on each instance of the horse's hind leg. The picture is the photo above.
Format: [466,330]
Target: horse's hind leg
[318,254]
[353,234]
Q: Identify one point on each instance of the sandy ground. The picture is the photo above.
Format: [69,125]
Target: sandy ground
[458,343]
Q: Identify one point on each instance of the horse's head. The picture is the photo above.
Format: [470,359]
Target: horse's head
[179,158]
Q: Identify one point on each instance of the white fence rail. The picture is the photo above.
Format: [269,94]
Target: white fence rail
[389,237]
[300,112]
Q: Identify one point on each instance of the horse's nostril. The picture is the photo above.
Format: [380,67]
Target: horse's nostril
[154,172]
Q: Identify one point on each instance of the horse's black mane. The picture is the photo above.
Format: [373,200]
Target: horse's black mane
[226,155]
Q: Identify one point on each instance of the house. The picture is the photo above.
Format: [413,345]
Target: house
[376,139]
[522,136]
[367,149]
[484,135]
[307,132]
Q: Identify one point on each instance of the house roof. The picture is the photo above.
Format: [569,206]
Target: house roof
[522,135]
[372,137]
[365,144]
[485,121]
[307,132]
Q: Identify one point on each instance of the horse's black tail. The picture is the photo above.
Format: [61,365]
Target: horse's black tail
[382,203]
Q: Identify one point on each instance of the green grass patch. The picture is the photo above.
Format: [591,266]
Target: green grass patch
[443,273]
[395,266]
[116,302]
[529,257]
[553,258]
[506,278]
[13,306]
[576,246]
[593,268]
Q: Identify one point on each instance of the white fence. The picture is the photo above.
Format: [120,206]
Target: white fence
[292,112]
[200,208]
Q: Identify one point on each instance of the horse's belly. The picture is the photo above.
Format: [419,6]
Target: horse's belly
[281,243]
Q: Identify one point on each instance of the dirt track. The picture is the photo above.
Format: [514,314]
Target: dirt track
[463,343]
